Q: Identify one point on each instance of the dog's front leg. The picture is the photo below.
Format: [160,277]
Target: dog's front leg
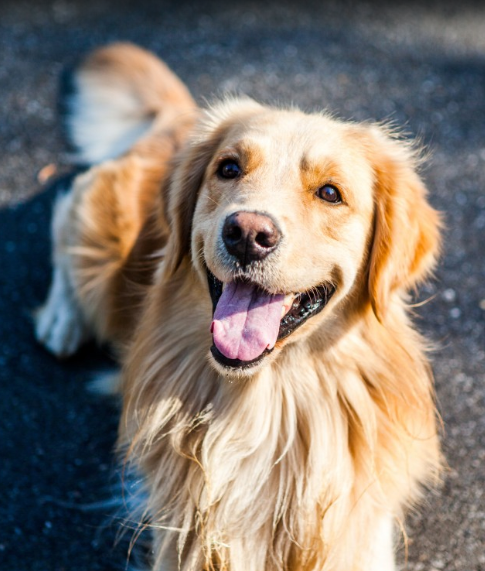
[60,324]
[381,557]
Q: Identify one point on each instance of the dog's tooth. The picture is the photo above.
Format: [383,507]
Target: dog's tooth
[287,303]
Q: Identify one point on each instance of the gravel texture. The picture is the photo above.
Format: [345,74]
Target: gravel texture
[422,67]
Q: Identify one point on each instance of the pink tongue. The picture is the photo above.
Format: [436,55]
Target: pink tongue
[246,321]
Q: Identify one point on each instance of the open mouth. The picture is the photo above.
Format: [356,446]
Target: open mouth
[248,321]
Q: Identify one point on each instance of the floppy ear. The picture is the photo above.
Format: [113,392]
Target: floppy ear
[188,174]
[406,228]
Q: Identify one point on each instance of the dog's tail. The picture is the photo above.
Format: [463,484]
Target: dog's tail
[115,97]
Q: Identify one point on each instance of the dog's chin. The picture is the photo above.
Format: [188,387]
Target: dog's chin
[237,369]
[301,307]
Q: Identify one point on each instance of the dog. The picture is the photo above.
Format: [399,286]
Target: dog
[251,267]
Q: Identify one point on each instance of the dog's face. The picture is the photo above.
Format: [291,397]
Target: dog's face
[284,211]
[282,224]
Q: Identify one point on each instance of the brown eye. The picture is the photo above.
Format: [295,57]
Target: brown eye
[329,193]
[229,169]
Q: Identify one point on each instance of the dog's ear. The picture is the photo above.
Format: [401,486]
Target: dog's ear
[189,171]
[406,228]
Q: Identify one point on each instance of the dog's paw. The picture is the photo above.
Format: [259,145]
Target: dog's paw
[59,324]
[60,328]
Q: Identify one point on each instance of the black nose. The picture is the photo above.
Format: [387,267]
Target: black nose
[250,236]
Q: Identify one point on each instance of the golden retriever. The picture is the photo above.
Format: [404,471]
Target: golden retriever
[251,266]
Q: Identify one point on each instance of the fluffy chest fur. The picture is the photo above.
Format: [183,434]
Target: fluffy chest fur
[284,471]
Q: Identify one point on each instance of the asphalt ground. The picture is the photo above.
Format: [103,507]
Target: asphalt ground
[420,66]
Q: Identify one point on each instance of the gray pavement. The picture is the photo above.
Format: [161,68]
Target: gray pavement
[420,66]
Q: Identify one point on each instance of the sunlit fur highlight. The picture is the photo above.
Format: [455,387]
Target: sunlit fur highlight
[305,464]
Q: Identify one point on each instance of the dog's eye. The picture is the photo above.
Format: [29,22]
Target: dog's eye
[229,169]
[329,193]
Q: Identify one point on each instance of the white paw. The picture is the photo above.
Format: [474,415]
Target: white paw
[60,325]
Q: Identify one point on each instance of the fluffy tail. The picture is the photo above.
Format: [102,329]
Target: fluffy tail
[115,97]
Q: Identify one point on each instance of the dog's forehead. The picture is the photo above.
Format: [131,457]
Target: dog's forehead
[304,139]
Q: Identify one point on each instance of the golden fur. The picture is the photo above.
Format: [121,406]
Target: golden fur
[302,462]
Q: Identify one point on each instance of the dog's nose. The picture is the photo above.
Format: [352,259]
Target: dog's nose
[250,236]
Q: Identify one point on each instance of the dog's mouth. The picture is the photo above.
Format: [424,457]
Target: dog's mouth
[248,321]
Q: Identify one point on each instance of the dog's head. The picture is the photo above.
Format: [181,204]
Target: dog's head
[289,218]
